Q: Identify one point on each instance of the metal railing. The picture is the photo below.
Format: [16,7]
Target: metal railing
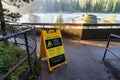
[79,25]
[81,30]
[27,42]
[108,49]
[30,44]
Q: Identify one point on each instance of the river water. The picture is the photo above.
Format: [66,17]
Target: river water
[68,17]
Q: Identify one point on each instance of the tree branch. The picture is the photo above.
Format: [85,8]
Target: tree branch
[9,3]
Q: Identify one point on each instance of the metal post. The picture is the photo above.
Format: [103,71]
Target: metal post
[14,36]
[87,27]
[35,41]
[27,48]
[107,47]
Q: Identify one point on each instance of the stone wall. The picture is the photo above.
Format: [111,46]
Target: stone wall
[85,34]
[89,33]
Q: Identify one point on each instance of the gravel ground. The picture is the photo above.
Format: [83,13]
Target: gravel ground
[84,62]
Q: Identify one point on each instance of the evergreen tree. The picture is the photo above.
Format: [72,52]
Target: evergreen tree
[88,6]
[2,19]
[114,6]
[111,18]
[106,7]
[109,6]
[60,19]
[2,15]
[117,9]
[86,18]
[80,5]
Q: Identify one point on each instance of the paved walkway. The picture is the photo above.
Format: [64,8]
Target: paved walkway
[84,62]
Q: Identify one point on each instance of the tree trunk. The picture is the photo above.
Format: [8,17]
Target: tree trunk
[2,21]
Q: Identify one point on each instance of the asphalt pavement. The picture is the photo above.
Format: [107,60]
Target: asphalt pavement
[84,62]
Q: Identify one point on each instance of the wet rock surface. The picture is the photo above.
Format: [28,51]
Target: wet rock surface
[114,66]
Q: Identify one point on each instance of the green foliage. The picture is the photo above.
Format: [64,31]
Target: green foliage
[19,72]
[27,1]
[111,19]
[60,20]
[98,6]
[107,6]
[36,72]
[86,18]
[9,16]
[1,14]
[13,16]
[10,54]
[104,21]
[114,6]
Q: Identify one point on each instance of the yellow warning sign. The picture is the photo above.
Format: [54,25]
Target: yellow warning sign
[53,48]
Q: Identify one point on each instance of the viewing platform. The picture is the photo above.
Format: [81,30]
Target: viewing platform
[84,62]
[84,50]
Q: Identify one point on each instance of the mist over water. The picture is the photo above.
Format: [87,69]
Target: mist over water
[68,17]
[46,13]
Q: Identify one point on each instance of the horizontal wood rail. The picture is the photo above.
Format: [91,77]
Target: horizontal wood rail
[72,24]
